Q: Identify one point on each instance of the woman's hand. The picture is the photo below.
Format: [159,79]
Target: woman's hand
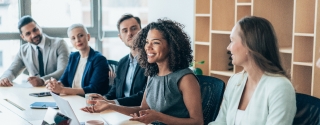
[97,106]
[54,85]
[145,116]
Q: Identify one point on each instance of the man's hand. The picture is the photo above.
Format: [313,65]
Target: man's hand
[5,82]
[35,81]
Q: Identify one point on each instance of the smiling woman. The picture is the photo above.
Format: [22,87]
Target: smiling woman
[172,95]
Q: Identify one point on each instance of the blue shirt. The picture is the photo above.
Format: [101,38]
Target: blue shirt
[129,77]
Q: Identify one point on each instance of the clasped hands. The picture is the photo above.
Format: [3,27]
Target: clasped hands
[53,85]
[99,104]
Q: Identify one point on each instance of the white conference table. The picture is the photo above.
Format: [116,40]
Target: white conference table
[15,107]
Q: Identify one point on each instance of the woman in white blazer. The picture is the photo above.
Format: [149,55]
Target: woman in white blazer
[261,94]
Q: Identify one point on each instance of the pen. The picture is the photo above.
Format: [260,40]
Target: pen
[33,76]
[14,104]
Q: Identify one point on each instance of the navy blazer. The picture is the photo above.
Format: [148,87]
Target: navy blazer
[95,77]
[137,88]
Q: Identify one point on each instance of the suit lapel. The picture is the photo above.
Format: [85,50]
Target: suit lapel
[134,75]
[32,67]
[124,74]
[88,66]
[46,52]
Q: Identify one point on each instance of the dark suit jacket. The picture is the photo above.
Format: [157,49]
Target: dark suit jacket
[138,84]
[95,77]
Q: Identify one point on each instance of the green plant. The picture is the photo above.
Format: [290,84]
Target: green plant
[197,71]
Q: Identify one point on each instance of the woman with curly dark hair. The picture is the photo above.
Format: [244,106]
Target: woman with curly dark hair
[172,95]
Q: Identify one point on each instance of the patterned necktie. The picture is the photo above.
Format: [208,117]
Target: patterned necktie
[40,60]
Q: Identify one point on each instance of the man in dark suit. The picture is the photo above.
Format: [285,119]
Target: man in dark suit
[130,81]
[43,56]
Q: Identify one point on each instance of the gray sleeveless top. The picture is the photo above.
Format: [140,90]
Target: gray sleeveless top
[163,94]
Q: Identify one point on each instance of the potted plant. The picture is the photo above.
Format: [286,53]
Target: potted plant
[196,71]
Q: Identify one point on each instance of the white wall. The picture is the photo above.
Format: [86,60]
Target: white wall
[181,11]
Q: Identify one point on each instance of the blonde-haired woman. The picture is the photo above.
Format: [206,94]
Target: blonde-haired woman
[262,94]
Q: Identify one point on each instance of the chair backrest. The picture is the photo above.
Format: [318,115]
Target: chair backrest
[113,64]
[212,90]
[113,67]
[308,110]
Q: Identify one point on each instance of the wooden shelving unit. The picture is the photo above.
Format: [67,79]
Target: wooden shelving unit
[295,23]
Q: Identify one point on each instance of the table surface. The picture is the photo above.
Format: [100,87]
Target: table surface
[15,107]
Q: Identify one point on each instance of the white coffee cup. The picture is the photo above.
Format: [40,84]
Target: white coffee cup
[94,122]
[88,97]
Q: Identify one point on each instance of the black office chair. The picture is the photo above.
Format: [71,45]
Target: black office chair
[308,110]
[212,90]
[113,67]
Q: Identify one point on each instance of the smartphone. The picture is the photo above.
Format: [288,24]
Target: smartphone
[40,94]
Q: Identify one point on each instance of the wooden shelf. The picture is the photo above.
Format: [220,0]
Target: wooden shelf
[280,15]
[303,49]
[304,34]
[303,63]
[202,15]
[219,52]
[295,23]
[244,4]
[220,32]
[301,79]
[203,6]
[304,16]
[286,50]
[203,24]
[243,1]
[222,73]
[200,54]
[222,14]
[243,11]
[202,43]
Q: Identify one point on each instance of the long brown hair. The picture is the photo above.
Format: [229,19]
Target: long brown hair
[258,35]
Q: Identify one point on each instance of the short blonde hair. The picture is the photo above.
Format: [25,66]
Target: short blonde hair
[77,25]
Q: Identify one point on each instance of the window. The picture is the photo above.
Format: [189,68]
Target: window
[112,10]
[8,51]
[112,47]
[61,13]
[55,16]
[1,59]
[9,16]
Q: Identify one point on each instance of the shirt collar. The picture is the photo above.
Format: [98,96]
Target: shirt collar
[41,44]
[132,59]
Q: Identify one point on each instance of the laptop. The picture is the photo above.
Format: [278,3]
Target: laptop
[66,109]
[53,117]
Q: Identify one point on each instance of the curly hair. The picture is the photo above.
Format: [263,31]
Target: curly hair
[180,52]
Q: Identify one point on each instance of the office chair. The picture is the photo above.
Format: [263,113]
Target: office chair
[112,66]
[308,110]
[212,90]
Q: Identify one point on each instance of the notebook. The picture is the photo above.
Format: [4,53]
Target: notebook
[43,105]
[66,109]
[53,117]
